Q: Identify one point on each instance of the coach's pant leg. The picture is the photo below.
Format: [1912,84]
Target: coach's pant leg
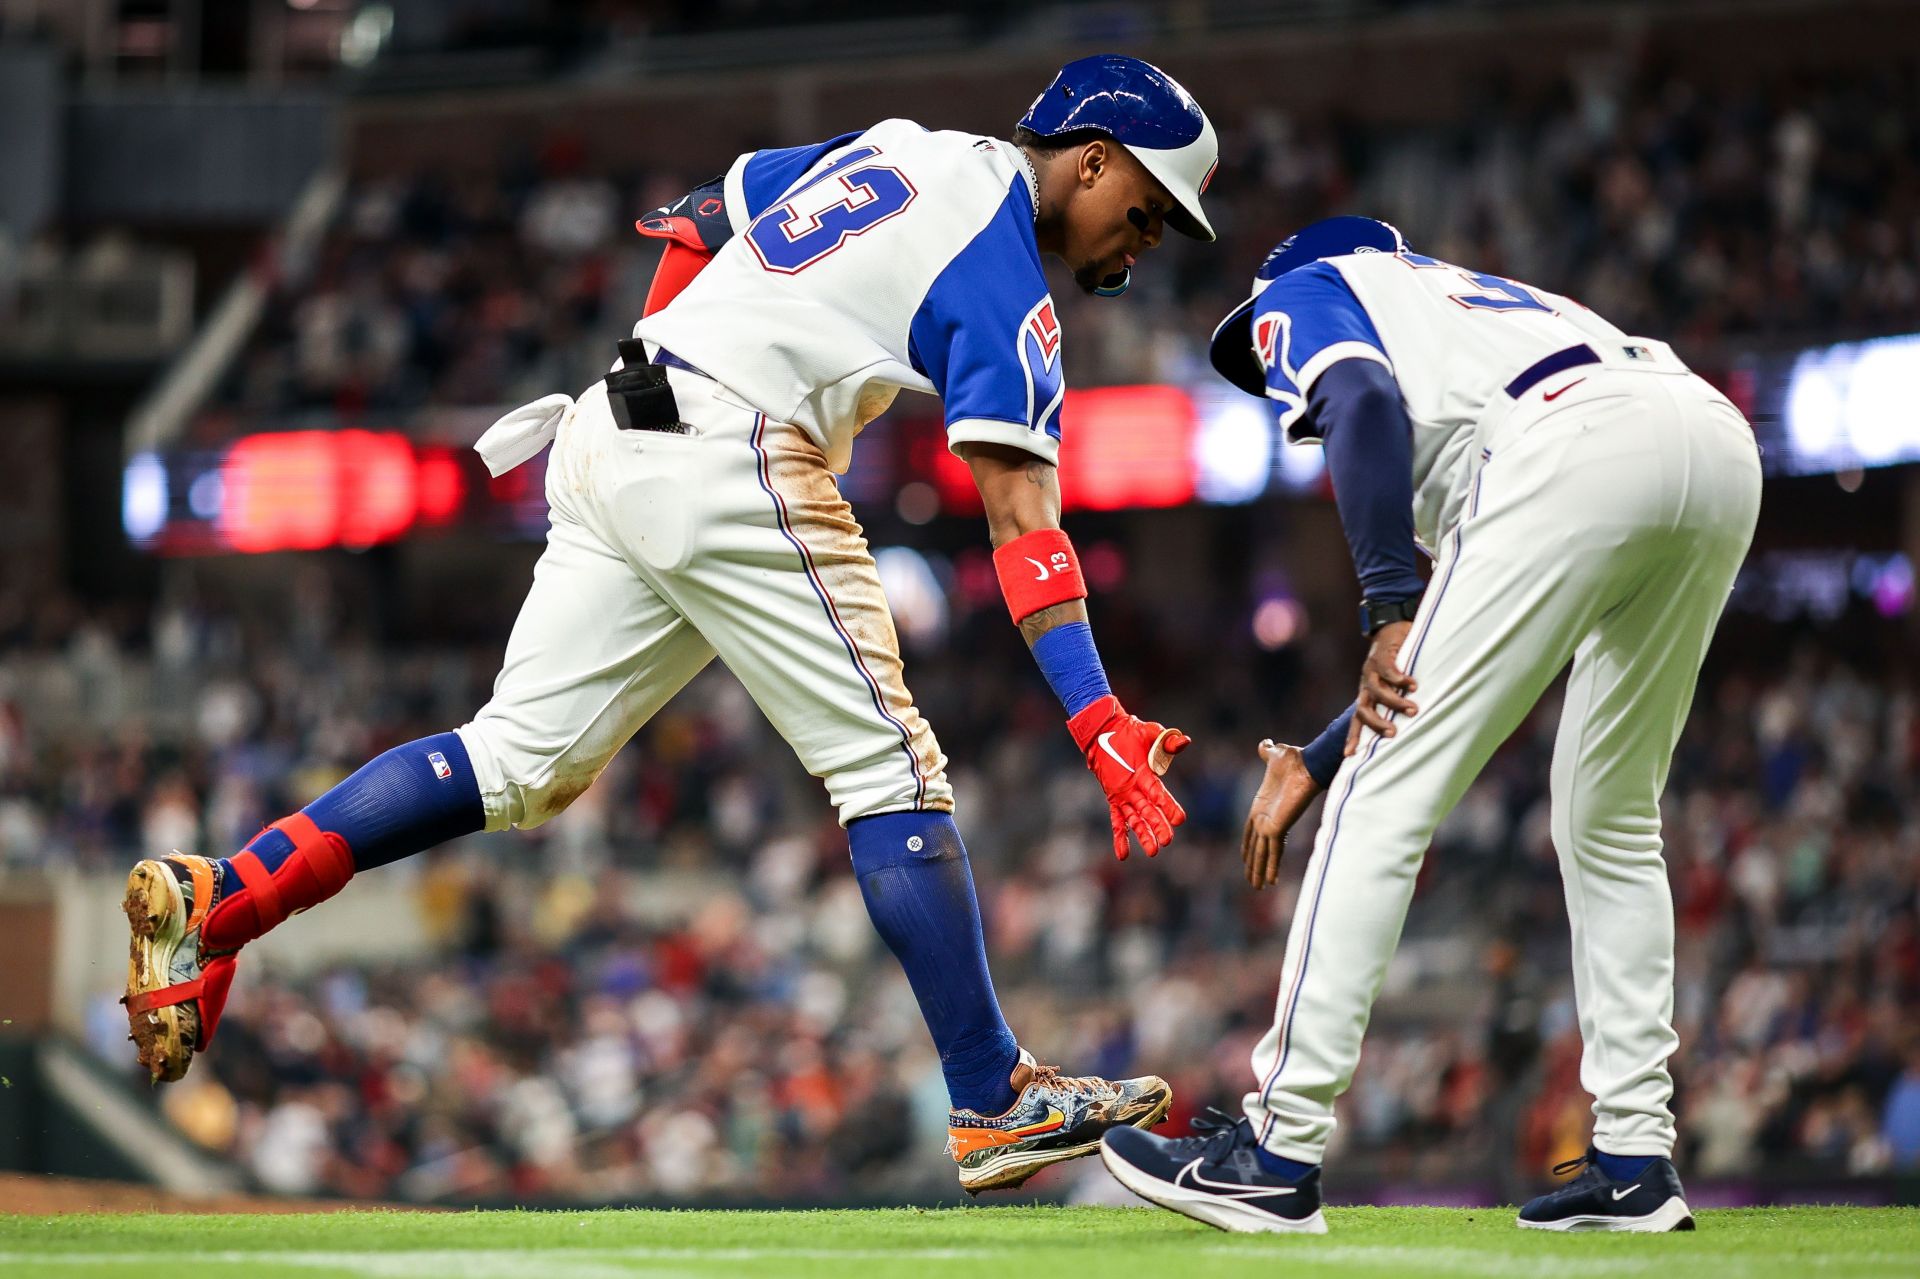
[1490,635]
[595,651]
[1525,576]
[784,588]
[1627,700]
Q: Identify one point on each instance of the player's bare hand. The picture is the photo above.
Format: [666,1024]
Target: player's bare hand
[1384,687]
[1128,755]
[1284,794]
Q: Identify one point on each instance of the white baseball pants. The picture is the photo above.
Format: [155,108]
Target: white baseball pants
[666,550]
[1604,528]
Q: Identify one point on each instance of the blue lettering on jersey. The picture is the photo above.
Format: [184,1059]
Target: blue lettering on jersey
[1307,321]
[767,175]
[1499,293]
[845,199]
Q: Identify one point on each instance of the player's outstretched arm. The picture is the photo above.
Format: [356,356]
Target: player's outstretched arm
[1040,576]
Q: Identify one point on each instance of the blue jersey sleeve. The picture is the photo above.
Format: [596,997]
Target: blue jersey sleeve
[759,178]
[1307,321]
[987,337]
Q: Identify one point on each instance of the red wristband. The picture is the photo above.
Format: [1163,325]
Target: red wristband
[1038,570]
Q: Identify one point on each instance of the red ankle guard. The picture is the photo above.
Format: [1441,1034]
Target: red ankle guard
[318,867]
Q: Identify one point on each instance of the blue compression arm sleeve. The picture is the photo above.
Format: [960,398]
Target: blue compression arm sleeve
[1356,409]
[1070,662]
[1323,754]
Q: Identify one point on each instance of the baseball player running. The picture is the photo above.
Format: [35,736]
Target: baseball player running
[1590,500]
[695,514]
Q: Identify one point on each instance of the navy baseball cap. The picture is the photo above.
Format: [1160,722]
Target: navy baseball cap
[1232,348]
[1146,111]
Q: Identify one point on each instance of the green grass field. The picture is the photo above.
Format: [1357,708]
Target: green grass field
[1045,1243]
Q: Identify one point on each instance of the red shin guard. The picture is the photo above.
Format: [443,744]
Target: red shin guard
[318,867]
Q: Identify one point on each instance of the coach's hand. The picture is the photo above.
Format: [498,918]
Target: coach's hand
[1384,687]
[1128,756]
[1284,794]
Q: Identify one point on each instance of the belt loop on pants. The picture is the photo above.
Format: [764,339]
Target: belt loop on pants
[1560,361]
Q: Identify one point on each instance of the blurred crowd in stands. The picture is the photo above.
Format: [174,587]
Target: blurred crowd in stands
[1789,209]
[672,989]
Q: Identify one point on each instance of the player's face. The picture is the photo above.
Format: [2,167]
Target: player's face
[1118,212]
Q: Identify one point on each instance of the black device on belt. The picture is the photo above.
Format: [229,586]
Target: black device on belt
[638,394]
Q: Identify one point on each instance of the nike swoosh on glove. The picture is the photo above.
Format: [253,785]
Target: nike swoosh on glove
[1127,756]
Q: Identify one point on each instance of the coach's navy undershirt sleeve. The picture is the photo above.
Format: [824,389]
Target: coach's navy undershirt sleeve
[1355,408]
[1323,754]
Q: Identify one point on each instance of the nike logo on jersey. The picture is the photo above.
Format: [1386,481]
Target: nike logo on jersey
[1234,1189]
[1618,1195]
[1040,570]
[1554,395]
[1106,744]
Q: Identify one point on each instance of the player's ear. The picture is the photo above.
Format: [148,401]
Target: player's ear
[1094,160]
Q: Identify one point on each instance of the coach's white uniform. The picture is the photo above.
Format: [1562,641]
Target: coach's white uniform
[1596,514]
[895,258]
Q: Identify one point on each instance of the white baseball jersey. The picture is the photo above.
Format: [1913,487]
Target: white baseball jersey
[1589,511]
[1452,338]
[894,258]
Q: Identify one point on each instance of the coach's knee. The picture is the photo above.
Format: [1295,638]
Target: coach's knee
[522,785]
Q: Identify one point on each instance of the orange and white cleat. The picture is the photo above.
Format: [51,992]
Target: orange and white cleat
[175,991]
[1055,1118]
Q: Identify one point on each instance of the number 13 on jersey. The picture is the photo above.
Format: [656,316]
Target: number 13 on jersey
[845,199]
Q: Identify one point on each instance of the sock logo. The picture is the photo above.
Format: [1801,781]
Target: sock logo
[915,843]
[441,768]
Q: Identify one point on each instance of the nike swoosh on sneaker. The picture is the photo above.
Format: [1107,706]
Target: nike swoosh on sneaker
[1618,1195]
[1106,744]
[1234,1189]
[1041,569]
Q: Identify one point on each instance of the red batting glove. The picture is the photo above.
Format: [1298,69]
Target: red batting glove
[1128,755]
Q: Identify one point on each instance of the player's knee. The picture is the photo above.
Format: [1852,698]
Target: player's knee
[889,782]
[523,783]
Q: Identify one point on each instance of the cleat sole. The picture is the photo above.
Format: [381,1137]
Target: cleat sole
[1669,1216]
[156,913]
[1012,1169]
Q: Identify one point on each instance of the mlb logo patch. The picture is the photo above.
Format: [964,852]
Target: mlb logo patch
[441,768]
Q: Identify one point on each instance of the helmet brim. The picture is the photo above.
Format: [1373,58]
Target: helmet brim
[1231,350]
[1185,215]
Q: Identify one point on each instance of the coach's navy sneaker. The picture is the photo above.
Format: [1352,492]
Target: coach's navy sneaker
[1054,1118]
[1214,1176]
[1651,1203]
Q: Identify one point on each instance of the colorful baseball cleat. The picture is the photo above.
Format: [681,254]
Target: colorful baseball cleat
[1651,1203]
[1056,1117]
[175,991]
[1215,1176]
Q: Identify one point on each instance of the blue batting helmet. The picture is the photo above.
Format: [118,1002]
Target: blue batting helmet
[1232,350]
[1146,111]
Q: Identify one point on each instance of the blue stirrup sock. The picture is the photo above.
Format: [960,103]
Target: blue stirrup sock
[400,803]
[1280,1166]
[1622,1167]
[918,887]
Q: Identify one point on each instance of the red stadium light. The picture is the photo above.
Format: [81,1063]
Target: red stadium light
[1127,446]
[308,490]
[375,474]
[1122,447]
[280,493]
[442,486]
